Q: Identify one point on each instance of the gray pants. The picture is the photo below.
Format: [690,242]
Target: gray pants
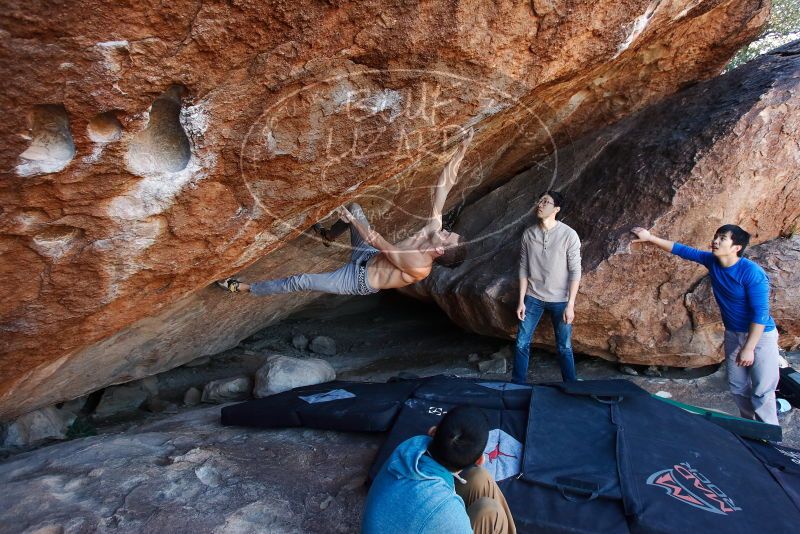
[753,387]
[351,279]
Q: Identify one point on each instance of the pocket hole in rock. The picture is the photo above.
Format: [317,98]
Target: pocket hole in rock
[104,128]
[163,145]
[52,147]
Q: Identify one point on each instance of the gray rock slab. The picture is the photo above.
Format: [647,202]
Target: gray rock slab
[187,473]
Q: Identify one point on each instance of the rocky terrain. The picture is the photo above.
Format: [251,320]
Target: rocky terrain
[150,150]
[184,472]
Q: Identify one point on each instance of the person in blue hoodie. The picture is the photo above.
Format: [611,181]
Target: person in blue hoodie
[741,289]
[435,484]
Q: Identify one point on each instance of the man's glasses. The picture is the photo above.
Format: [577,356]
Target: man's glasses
[545,202]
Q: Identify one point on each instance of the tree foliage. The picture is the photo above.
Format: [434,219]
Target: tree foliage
[783,27]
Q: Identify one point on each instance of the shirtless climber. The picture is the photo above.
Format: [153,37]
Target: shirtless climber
[375,263]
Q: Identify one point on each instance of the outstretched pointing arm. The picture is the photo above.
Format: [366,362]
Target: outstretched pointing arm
[643,236]
[447,180]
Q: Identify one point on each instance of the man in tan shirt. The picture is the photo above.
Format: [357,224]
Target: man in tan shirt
[376,263]
[549,275]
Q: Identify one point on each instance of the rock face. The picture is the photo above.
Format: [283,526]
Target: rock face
[722,151]
[147,157]
[188,470]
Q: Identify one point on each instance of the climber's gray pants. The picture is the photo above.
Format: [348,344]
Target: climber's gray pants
[350,279]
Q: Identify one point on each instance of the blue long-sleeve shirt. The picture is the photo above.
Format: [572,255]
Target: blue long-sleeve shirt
[741,290]
[414,494]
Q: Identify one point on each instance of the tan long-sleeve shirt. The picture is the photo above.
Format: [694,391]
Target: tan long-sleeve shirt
[550,260]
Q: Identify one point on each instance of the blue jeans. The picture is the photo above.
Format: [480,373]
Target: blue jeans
[350,279]
[563,331]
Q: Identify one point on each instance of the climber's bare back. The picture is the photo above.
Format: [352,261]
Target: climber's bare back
[383,274]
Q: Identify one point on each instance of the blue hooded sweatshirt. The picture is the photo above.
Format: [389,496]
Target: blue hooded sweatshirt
[414,494]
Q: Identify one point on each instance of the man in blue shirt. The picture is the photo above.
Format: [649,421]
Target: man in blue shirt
[741,289]
[415,491]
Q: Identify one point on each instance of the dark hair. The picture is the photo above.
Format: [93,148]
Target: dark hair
[738,236]
[460,438]
[558,198]
[455,254]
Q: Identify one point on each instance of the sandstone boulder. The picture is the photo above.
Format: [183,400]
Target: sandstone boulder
[35,427]
[152,151]
[227,389]
[721,151]
[282,373]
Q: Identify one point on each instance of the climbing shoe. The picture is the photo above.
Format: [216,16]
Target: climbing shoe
[229,284]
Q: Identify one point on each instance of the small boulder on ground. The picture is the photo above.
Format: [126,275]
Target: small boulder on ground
[33,427]
[227,390]
[120,400]
[300,342]
[192,397]
[628,370]
[282,373]
[494,365]
[323,345]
